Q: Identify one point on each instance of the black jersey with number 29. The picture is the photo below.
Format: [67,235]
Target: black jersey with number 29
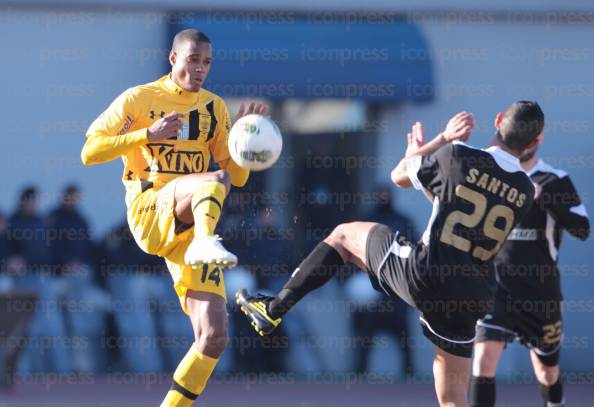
[478,197]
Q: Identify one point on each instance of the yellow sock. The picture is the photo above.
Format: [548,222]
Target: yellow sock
[207,204]
[189,379]
[176,399]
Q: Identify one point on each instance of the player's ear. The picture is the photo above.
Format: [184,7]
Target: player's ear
[498,120]
[172,57]
[540,137]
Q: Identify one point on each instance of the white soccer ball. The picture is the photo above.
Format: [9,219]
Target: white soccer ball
[255,142]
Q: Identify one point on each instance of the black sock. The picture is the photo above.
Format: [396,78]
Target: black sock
[313,272]
[552,394]
[482,391]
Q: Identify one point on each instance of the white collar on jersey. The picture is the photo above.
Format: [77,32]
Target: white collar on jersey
[544,167]
[504,159]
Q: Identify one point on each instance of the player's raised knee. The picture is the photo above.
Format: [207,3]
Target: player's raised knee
[344,232]
[338,236]
[338,240]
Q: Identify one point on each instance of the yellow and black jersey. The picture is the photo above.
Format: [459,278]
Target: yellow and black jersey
[121,131]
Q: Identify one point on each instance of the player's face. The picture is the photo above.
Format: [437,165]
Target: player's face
[190,64]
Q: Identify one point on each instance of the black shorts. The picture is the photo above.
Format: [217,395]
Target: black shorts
[393,264]
[537,324]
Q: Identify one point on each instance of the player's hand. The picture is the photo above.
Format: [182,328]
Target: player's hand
[253,108]
[459,127]
[166,127]
[415,139]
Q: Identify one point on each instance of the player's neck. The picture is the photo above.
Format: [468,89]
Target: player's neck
[529,164]
[505,148]
[173,79]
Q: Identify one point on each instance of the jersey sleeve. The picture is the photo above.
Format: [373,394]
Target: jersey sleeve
[110,135]
[428,172]
[220,150]
[562,200]
[218,145]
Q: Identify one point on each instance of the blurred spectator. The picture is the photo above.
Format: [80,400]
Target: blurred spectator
[5,246]
[258,240]
[31,263]
[153,333]
[6,252]
[375,312]
[259,247]
[269,248]
[28,232]
[69,236]
[83,303]
[385,212]
[13,322]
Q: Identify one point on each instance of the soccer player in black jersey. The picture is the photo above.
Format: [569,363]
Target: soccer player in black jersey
[528,297]
[478,197]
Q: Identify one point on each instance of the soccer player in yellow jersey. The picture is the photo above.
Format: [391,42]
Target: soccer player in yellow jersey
[166,132]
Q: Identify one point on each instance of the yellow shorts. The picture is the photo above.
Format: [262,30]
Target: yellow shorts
[155,229]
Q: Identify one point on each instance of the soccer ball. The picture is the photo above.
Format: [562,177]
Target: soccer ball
[255,142]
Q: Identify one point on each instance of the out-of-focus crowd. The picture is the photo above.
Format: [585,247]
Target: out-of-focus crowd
[103,305]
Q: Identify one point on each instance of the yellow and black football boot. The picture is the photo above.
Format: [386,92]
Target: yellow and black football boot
[255,308]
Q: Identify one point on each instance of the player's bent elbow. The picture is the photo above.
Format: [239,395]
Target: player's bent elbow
[88,156]
[93,152]
[580,230]
[85,157]
[584,232]
[394,177]
[400,180]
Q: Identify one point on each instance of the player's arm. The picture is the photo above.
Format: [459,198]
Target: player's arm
[220,149]
[400,174]
[404,175]
[562,200]
[111,136]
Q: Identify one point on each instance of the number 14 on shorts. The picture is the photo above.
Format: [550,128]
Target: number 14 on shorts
[210,273]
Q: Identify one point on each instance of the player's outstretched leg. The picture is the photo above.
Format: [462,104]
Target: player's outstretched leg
[199,200]
[347,243]
[549,379]
[484,366]
[208,314]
